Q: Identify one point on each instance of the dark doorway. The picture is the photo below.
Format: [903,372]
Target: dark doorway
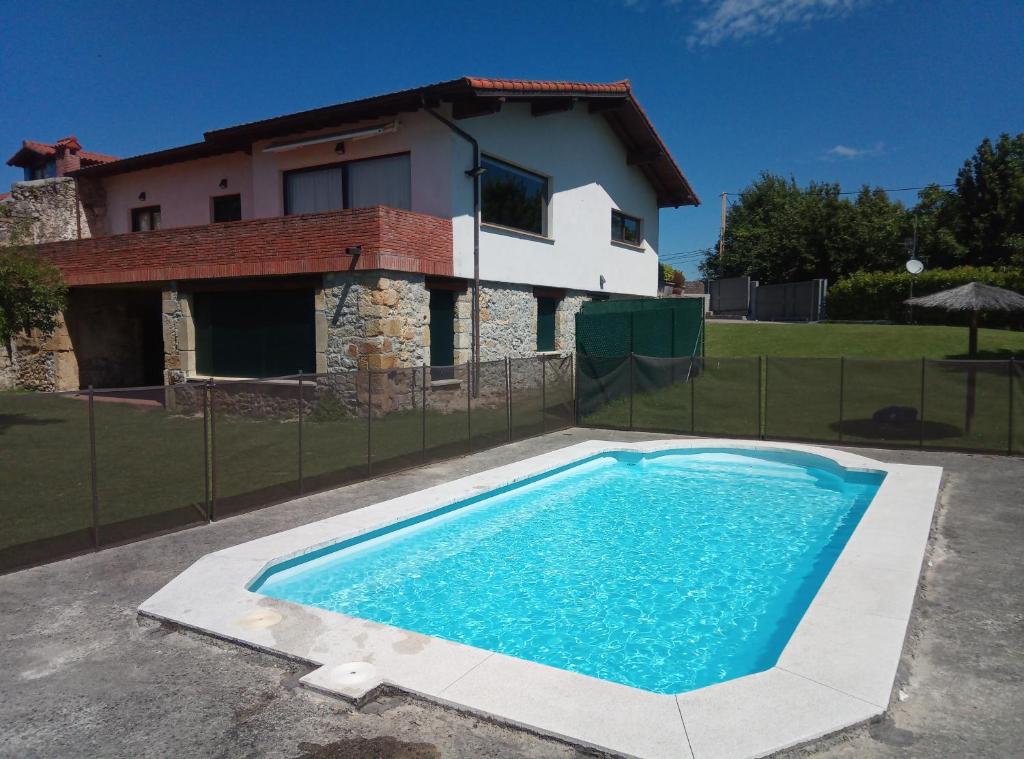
[117,336]
[442,334]
[261,333]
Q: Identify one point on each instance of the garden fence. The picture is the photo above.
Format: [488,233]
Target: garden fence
[85,470]
[944,405]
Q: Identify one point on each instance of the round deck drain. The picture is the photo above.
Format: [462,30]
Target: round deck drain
[260,620]
[352,673]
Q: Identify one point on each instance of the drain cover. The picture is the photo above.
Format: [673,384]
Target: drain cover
[352,673]
[260,620]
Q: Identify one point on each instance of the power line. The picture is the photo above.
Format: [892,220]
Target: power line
[884,190]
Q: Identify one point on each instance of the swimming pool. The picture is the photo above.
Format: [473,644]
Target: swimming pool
[665,571]
[836,669]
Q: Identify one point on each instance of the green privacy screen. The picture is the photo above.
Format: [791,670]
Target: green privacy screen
[660,327]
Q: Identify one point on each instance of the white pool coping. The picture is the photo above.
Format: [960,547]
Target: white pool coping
[837,669]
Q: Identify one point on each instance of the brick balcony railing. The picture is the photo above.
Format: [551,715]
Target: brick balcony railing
[390,238]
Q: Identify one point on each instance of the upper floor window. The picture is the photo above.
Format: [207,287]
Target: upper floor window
[227,208]
[41,171]
[145,219]
[382,181]
[513,197]
[626,228]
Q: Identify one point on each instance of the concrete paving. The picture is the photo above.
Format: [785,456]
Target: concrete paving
[82,675]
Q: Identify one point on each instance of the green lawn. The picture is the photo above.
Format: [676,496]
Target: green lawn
[151,465]
[857,340]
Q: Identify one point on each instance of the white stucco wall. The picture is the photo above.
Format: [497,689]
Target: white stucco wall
[588,177]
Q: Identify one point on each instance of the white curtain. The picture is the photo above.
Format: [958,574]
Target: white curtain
[380,181]
[314,191]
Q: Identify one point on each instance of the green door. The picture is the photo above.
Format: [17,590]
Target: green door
[442,332]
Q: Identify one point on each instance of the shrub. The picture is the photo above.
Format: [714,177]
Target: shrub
[879,295]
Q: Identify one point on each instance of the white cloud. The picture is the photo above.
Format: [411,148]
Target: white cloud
[737,19]
[845,152]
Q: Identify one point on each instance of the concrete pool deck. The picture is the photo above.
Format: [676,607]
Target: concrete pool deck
[82,675]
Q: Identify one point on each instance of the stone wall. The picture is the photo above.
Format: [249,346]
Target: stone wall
[373,320]
[48,210]
[179,335]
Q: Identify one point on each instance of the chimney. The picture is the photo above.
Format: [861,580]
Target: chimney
[68,158]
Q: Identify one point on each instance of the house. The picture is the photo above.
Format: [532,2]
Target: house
[457,221]
[41,160]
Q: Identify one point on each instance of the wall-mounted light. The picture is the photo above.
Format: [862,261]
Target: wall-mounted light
[603,280]
[340,148]
[354,250]
[223,183]
[142,196]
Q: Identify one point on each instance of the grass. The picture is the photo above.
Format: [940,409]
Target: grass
[857,341]
[151,470]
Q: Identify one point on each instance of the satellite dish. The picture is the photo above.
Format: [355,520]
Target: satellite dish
[914,266]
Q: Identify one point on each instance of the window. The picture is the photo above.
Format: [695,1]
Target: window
[227,208]
[46,170]
[442,334]
[546,308]
[625,228]
[145,219]
[260,333]
[512,197]
[384,181]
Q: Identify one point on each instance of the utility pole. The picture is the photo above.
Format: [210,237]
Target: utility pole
[721,241]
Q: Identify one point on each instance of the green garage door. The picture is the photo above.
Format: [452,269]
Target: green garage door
[262,333]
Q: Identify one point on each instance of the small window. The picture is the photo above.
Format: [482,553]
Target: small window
[512,197]
[625,228]
[546,308]
[145,219]
[227,208]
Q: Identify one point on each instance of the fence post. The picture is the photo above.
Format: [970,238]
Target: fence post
[92,473]
[920,425]
[211,388]
[762,376]
[543,394]
[842,383]
[423,411]
[206,450]
[693,395]
[470,373]
[631,383]
[300,434]
[508,396]
[573,389]
[369,422]
[1011,368]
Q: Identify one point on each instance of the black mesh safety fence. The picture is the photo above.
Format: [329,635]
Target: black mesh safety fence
[526,403]
[448,401]
[489,406]
[664,393]
[603,391]
[727,396]
[882,401]
[254,443]
[803,398]
[334,427]
[968,405]
[151,455]
[1016,372]
[558,392]
[46,505]
[395,400]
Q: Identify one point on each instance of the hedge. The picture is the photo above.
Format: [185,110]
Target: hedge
[879,295]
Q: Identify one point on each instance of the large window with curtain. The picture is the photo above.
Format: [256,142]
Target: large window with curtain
[363,183]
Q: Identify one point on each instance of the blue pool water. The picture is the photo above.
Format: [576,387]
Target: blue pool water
[666,571]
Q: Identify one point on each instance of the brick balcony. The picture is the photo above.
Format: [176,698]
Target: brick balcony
[390,238]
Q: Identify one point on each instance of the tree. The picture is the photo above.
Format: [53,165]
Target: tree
[32,292]
[990,202]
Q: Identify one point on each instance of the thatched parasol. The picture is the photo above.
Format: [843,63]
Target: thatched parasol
[974,297]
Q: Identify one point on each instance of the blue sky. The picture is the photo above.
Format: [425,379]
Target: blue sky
[894,93]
